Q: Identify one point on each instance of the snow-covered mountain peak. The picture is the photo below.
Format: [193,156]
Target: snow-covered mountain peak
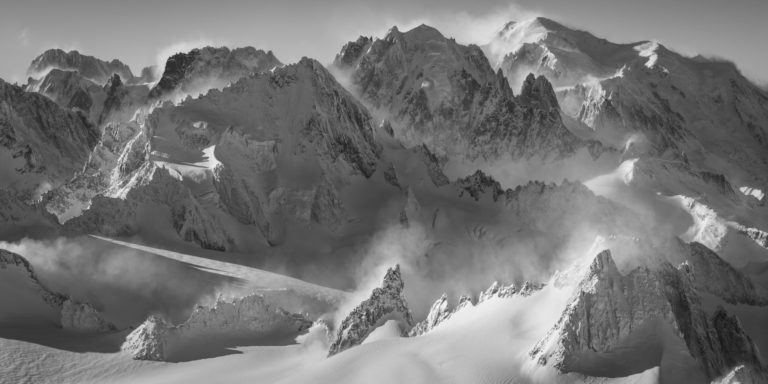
[448,96]
[422,34]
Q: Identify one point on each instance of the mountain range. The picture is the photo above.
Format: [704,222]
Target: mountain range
[610,194]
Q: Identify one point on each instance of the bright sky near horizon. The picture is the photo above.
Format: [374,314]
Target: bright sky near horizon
[145,32]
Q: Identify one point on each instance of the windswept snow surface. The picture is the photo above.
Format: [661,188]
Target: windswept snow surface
[250,277]
[485,344]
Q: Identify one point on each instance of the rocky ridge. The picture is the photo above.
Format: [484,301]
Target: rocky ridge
[228,320]
[447,96]
[89,67]
[608,309]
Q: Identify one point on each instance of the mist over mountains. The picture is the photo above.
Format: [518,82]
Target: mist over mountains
[546,207]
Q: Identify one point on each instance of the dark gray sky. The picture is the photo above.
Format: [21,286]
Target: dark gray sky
[139,32]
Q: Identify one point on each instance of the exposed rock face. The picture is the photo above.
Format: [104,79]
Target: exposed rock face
[497,290]
[91,68]
[385,303]
[743,374]
[447,95]
[12,260]
[122,100]
[201,69]
[609,308]
[237,320]
[709,273]
[677,104]
[41,144]
[70,314]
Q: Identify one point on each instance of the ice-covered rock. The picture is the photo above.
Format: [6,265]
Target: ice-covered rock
[743,374]
[246,319]
[497,290]
[148,340]
[172,201]
[70,90]
[89,67]
[757,235]
[438,313]
[201,69]
[385,303]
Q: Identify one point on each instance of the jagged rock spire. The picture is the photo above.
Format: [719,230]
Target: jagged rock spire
[608,308]
[385,302]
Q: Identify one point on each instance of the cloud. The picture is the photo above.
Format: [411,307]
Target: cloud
[24,37]
[125,283]
[468,28]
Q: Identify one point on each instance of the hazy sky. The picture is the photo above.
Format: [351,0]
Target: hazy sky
[139,32]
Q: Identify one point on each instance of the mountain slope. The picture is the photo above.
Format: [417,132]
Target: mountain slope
[41,144]
[200,69]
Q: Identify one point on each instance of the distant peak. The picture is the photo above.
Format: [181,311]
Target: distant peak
[424,32]
[549,23]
